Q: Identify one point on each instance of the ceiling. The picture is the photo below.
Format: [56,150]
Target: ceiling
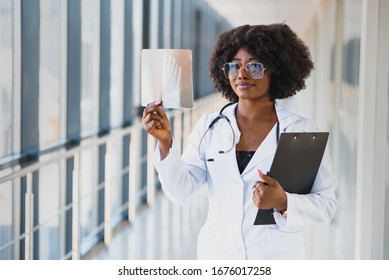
[295,13]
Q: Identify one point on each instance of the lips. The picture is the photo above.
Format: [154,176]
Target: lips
[244,85]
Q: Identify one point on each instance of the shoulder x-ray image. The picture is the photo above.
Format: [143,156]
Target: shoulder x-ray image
[167,77]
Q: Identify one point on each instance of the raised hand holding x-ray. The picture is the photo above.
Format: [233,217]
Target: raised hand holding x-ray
[167,76]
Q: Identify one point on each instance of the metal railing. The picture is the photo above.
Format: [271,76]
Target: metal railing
[183,123]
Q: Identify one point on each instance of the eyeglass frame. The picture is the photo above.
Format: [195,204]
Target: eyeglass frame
[245,68]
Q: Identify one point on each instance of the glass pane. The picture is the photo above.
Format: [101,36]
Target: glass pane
[142,191]
[348,124]
[5,220]
[116,180]
[386,227]
[6,77]
[49,205]
[51,78]
[88,195]
[117,62]
[90,53]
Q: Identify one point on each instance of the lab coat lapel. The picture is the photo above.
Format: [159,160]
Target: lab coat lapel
[269,145]
[264,151]
[285,117]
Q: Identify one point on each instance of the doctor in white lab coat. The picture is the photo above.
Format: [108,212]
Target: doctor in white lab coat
[226,157]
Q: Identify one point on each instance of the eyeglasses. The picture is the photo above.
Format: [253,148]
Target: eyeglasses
[255,70]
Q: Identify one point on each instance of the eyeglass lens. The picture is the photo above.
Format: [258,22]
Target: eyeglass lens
[255,69]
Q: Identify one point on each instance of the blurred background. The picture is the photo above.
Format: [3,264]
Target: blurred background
[75,179]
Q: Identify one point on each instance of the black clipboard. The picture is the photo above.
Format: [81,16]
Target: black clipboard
[295,165]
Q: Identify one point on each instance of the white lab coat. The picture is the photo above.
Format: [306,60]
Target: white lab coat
[228,232]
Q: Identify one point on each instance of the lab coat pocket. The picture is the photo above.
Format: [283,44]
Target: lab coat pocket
[287,243]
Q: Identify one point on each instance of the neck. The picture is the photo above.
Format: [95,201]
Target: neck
[256,111]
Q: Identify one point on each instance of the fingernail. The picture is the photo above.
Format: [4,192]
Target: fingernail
[260,173]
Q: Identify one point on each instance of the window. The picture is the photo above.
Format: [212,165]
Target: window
[117,63]
[386,228]
[6,220]
[90,53]
[6,77]
[89,206]
[51,192]
[347,102]
[137,11]
[116,170]
[52,72]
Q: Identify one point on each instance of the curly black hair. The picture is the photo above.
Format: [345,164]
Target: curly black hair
[285,56]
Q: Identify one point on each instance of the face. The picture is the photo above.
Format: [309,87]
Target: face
[245,85]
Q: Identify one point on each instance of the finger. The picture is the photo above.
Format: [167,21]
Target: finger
[255,186]
[159,111]
[155,103]
[262,186]
[152,117]
[262,176]
[257,193]
[153,111]
[266,179]
[153,107]
[256,190]
[152,125]
[157,124]
[255,202]
[269,180]
[257,198]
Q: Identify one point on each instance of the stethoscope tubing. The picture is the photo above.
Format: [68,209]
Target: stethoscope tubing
[222,116]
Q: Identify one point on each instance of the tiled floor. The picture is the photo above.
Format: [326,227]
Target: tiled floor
[161,231]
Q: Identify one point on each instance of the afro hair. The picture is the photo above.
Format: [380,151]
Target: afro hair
[285,56]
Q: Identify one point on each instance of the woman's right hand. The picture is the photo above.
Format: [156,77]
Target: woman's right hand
[156,123]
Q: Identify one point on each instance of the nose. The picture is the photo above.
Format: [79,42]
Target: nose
[243,74]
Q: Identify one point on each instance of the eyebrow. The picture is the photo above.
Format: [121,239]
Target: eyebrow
[250,59]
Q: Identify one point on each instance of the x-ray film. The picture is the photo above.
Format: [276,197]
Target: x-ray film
[167,76]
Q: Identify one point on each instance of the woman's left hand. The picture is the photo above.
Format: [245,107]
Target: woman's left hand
[268,194]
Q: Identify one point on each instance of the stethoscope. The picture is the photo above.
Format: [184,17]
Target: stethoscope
[221,116]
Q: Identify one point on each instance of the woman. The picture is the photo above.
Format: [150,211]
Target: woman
[252,66]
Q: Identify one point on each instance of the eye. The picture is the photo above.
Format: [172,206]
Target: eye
[254,66]
[234,65]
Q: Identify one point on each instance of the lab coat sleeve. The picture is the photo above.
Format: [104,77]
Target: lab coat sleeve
[182,176]
[320,205]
